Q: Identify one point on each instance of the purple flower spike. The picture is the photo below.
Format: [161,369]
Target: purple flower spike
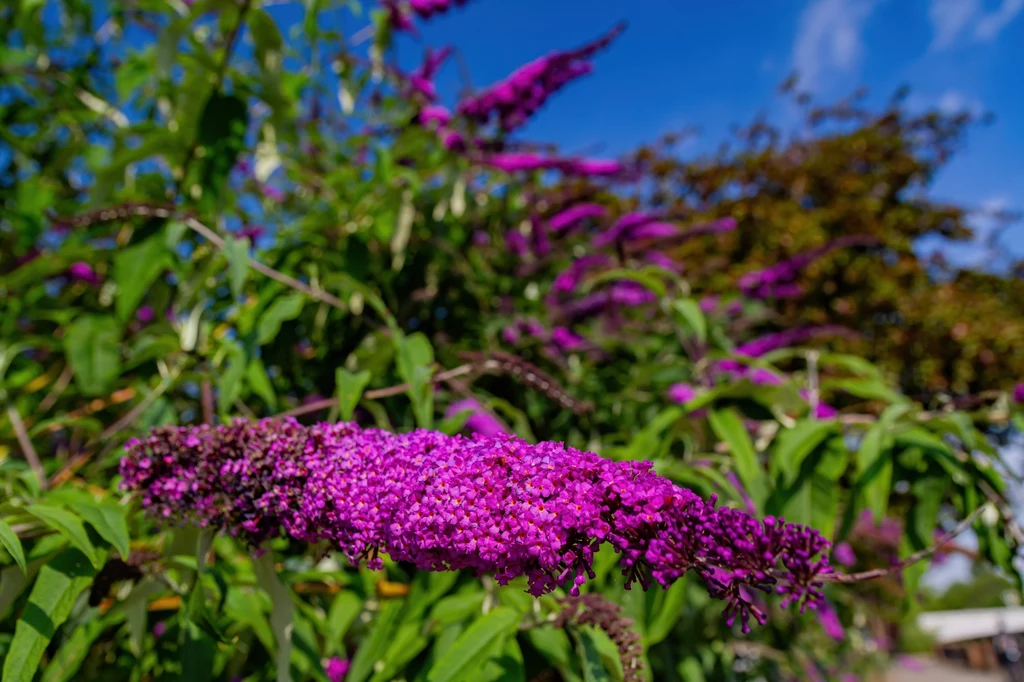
[145,314]
[514,100]
[790,337]
[571,217]
[495,505]
[479,421]
[830,623]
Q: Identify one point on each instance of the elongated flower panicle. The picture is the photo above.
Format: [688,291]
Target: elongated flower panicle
[776,281]
[513,100]
[496,505]
[571,217]
[514,162]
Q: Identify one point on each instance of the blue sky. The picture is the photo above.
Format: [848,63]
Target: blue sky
[716,64]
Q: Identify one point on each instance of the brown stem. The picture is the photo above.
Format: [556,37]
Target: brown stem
[376,394]
[26,446]
[910,560]
[58,388]
[207,389]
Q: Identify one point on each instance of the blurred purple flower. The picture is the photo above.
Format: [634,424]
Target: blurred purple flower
[481,238]
[83,272]
[479,421]
[159,629]
[789,337]
[844,555]
[251,232]
[1018,393]
[663,261]
[517,243]
[566,340]
[434,113]
[336,669]
[681,393]
[571,217]
[569,279]
[622,228]
[829,620]
[709,303]
[512,101]
[272,193]
[422,79]
[910,663]
[510,334]
[145,314]
[755,282]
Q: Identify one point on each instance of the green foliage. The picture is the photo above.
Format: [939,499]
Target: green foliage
[389,265]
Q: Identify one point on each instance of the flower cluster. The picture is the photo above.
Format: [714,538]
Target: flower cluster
[479,420]
[496,505]
[515,162]
[513,100]
[777,281]
[594,609]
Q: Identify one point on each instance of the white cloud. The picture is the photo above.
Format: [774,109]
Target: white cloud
[829,38]
[989,26]
[953,102]
[952,19]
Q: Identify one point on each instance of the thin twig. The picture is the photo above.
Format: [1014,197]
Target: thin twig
[376,394]
[170,213]
[59,387]
[910,560]
[207,393]
[26,445]
[133,413]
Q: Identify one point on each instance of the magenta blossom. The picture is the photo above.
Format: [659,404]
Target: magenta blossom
[566,340]
[830,622]
[479,420]
[624,227]
[663,261]
[514,100]
[571,217]
[422,79]
[681,393]
[514,162]
[490,505]
[1018,393]
[159,629]
[764,282]
[336,669]
[569,279]
[83,272]
[434,114]
[844,555]
[145,314]
[272,193]
[790,337]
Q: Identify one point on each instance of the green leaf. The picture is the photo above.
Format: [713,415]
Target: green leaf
[649,277]
[407,644]
[668,615]
[793,445]
[464,657]
[49,605]
[221,137]
[868,389]
[344,610]
[728,426]
[692,318]
[92,344]
[851,363]
[875,462]
[919,531]
[590,657]
[373,648]
[69,658]
[415,359]
[68,525]
[259,382]
[229,383]
[237,252]
[109,521]
[10,541]
[135,270]
[284,308]
[350,387]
